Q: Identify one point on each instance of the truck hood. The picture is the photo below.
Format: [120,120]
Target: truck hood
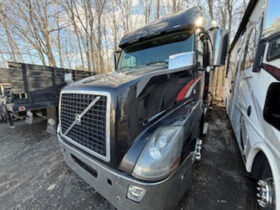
[112,81]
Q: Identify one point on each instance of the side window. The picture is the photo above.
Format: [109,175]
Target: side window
[271,110]
[250,49]
[274,50]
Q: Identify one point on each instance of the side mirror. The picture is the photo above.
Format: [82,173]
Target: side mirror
[114,59]
[259,55]
[220,44]
[182,60]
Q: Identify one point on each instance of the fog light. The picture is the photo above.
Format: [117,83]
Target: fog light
[135,193]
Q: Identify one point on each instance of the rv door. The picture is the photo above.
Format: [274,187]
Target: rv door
[245,98]
[232,80]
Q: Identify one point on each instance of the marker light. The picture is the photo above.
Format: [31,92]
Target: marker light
[135,193]
[199,21]
[214,24]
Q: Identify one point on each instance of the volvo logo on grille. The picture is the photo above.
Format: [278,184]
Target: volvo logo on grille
[78,119]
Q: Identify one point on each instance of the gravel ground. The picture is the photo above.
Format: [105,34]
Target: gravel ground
[33,174]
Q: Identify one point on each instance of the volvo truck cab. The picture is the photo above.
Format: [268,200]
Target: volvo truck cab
[134,134]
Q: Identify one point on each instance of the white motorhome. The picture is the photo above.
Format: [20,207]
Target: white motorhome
[253,97]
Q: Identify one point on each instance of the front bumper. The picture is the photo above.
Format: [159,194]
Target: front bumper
[113,185]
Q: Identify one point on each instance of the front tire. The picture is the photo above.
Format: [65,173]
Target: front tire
[265,189]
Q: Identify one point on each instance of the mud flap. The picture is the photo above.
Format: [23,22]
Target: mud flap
[5,115]
[52,120]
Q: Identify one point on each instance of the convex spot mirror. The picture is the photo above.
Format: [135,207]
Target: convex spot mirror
[182,60]
[114,59]
[220,45]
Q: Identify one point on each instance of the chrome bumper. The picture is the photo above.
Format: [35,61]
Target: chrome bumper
[113,185]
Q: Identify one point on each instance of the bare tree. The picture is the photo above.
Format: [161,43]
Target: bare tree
[147,4]
[58,41]
[68,6]
[125,7]
[35,26]
[210,6]
[82,33]
[175,5]
[157,9]
[99,7]
[15,54]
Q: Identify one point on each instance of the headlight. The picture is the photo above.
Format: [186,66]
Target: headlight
[161,155]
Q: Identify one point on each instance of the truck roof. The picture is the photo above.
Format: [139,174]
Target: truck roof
[178,22]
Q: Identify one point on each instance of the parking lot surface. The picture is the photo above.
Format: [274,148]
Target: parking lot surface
[33,174]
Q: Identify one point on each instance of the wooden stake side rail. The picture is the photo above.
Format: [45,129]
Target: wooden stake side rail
[34,86]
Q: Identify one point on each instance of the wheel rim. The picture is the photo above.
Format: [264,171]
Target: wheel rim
[265,193]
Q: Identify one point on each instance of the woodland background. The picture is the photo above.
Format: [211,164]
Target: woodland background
[82,34]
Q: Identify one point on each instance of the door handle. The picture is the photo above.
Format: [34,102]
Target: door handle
[249,110]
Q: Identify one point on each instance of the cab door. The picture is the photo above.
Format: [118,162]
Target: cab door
[232,79]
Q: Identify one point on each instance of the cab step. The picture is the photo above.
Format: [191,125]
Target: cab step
[205,128]
[198,149]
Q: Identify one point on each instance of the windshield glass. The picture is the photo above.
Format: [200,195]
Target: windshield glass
[155,51]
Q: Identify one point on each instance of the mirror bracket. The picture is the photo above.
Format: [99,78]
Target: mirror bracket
[114,59]
[207,69]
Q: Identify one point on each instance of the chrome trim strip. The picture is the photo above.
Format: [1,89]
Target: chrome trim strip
[106,158]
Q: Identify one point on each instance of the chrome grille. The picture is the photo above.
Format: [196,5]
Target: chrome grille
[91,131]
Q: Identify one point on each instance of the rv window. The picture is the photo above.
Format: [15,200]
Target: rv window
[251,47]
[271,109]
[274,50]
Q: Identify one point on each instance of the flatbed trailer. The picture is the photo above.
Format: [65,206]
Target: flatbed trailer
[4,81]
[34,90]
[5,87]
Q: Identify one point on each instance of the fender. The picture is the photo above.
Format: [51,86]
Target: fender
[261,147]
[185,115]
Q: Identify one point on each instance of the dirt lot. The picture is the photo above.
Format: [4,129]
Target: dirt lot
[33,174]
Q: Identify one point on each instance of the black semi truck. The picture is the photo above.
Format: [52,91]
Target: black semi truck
[134,134]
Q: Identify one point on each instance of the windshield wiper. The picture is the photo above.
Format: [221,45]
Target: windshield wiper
[156,62]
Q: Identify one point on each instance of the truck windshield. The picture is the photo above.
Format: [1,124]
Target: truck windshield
[155,51]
